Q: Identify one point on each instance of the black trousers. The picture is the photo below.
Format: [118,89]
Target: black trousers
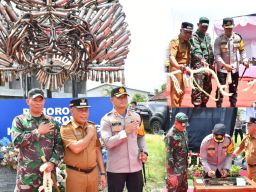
[240,132]
[231,87]
[133,181]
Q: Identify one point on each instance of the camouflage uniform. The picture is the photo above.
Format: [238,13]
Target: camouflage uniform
[177,159]
[201,49]
[32,146]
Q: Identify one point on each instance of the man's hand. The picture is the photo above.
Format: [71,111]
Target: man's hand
[50,167]
[45,128]
[103,181]
[211,173]
[228,67]
[173,181]
[132,127]
[224,173]
[90,131]
[143,157]
[246,64]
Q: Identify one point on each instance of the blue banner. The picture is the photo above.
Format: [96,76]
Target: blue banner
[56,107]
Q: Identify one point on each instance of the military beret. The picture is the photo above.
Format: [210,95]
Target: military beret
[79,103]
[33,93]
[252,120]
[119,91]
[228,22]
[181,117]
[204,21]
[187,26]
[219,129]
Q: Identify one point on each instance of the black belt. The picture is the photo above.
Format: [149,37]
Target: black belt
[252,165]
[81,170]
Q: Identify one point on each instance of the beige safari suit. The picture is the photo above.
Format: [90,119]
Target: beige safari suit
[181,51]
[78,181]
[248,144]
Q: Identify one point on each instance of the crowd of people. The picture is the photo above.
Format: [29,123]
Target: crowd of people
[216,153]
[195,50]
[41,141]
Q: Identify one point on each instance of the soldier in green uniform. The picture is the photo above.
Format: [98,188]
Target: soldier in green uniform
[177,155]
[35,135]
[201,56]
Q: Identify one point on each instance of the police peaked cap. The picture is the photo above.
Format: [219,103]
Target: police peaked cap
[79,103]
[119,91]
[228,22]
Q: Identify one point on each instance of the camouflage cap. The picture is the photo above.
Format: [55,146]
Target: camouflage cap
[119,91]
[219,129]
[33,93]
[228,22]
[187,26]
[181,117]
[204,21]
[79,103]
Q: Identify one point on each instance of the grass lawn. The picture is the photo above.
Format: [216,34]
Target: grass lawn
[155,166]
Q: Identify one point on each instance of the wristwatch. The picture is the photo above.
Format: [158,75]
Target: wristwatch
[103,173]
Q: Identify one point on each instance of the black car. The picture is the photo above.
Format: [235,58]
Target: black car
[155,115]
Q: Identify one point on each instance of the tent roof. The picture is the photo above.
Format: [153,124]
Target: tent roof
[244,25]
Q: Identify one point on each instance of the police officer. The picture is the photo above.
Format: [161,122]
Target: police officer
[82,150]
[228,47]
[201,56]
[126,150]
[216,152]
[248,145]
[179,57]
[177,154]
[36,135]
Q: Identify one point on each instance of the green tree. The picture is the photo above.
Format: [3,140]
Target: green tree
[139,97]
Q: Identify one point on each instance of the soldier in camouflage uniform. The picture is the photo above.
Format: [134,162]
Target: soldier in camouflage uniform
[36,135]
[177,155]
[201,55]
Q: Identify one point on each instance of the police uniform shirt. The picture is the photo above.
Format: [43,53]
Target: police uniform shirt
[228,51]
[215,155]
[180,49]
[72,132]
[249,145]
[123,149]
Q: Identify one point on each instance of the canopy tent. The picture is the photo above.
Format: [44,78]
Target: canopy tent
[202,120]
[246,27]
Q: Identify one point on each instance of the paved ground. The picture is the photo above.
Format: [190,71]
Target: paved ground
[245,99]
[7,179]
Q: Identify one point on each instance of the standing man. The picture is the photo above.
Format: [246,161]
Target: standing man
[126,150]
[36,135]
[179,56]
[248,145]
[201,56]
[228,47]
[216,152]
[82,150]
[177,155]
